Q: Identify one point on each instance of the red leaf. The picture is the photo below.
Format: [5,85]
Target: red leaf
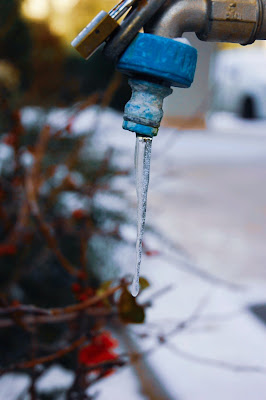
[15,303]
[99,351]
[105,340]
[7,250]
[83,297]
[17,181]
[90,292]
[10,139]
[91,355]
[79,214]
[152,253]
[82,294]
[75,287]
[82,275]
[2,194]
[16,115]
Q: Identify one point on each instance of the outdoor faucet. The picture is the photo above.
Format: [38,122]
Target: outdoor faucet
[159,58]
[155,60]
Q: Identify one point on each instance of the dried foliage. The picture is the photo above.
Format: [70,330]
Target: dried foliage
[54,307]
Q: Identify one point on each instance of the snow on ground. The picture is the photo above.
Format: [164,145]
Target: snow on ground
[13,386]
[124,384]
[54,379]
[226,122]
[207,196]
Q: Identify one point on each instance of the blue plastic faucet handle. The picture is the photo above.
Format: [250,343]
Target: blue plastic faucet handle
[167,60]
[155,64]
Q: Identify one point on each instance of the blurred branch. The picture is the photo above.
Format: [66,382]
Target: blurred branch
[83,252]
[104,369]
[102,170]
[57,319]
[180,326]
[21,268]
[111,89]
[158,294]
[84,305]
[195,315]
[42,360]
[46,230]
[216,363]
[18,230]
[39,153]
[24,309]
[107,365]
[59,314]
[163,340]
[181,260]
[32,182]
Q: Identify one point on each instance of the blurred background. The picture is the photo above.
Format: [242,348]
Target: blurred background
[67,198]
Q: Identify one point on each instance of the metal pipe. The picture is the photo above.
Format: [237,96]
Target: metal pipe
[239,21]
[236,21]
[233,21]
[261,33]
[178,17]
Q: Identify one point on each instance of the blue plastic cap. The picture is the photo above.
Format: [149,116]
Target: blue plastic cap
[167,60]
[140,129]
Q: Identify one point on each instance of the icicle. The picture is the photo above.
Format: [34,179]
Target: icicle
[142,165]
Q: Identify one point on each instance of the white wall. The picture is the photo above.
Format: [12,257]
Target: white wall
[185,102]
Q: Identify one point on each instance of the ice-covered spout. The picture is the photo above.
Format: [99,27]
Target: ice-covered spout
[144,111]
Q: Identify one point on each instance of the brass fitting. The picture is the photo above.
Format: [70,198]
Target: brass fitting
[235,21]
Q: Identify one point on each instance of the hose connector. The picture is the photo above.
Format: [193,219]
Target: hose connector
[154,64]
[144,112]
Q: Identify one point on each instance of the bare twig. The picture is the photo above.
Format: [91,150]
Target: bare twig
[163,340]
[118,362]
[158,294]
[51,315]
[84,305]
[57,319]
[42,360]
[195,315]
[45,228]
[111,89]
[180,259]
[23,309]
[216,363]
[83,252]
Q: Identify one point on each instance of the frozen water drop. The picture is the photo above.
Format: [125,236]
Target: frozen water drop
[135,286]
